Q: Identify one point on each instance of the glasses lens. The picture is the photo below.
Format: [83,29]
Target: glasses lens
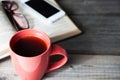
[14,6]
[21,21]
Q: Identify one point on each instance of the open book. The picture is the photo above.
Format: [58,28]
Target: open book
[59,30]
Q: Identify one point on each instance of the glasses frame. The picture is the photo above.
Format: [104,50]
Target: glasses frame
[10,11]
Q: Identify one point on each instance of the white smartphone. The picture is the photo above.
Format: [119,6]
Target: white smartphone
[46,10]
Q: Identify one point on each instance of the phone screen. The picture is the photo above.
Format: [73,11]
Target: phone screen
[42,7]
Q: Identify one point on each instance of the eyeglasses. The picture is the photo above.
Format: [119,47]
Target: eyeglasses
[18,20]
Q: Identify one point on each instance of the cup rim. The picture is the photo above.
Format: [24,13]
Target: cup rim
[33,30]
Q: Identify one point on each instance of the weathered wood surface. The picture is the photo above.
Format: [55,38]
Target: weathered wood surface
[79,67]
[100,23]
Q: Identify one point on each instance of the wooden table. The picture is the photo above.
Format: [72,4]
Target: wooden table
[93,55]
[100,22]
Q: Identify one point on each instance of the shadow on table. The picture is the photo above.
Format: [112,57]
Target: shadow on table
[74,62]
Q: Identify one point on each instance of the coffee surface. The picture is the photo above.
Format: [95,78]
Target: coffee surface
[29,46]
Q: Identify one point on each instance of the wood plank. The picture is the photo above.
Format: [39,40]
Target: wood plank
[99,21]
[90,6]
[79,67]
[88,67]
[101,35]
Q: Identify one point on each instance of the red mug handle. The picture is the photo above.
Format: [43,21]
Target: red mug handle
[58,58]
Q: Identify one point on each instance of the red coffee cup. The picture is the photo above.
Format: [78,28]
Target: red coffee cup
[33,55]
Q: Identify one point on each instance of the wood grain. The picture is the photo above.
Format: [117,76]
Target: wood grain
[90,6]
[79,67]
[100,24]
